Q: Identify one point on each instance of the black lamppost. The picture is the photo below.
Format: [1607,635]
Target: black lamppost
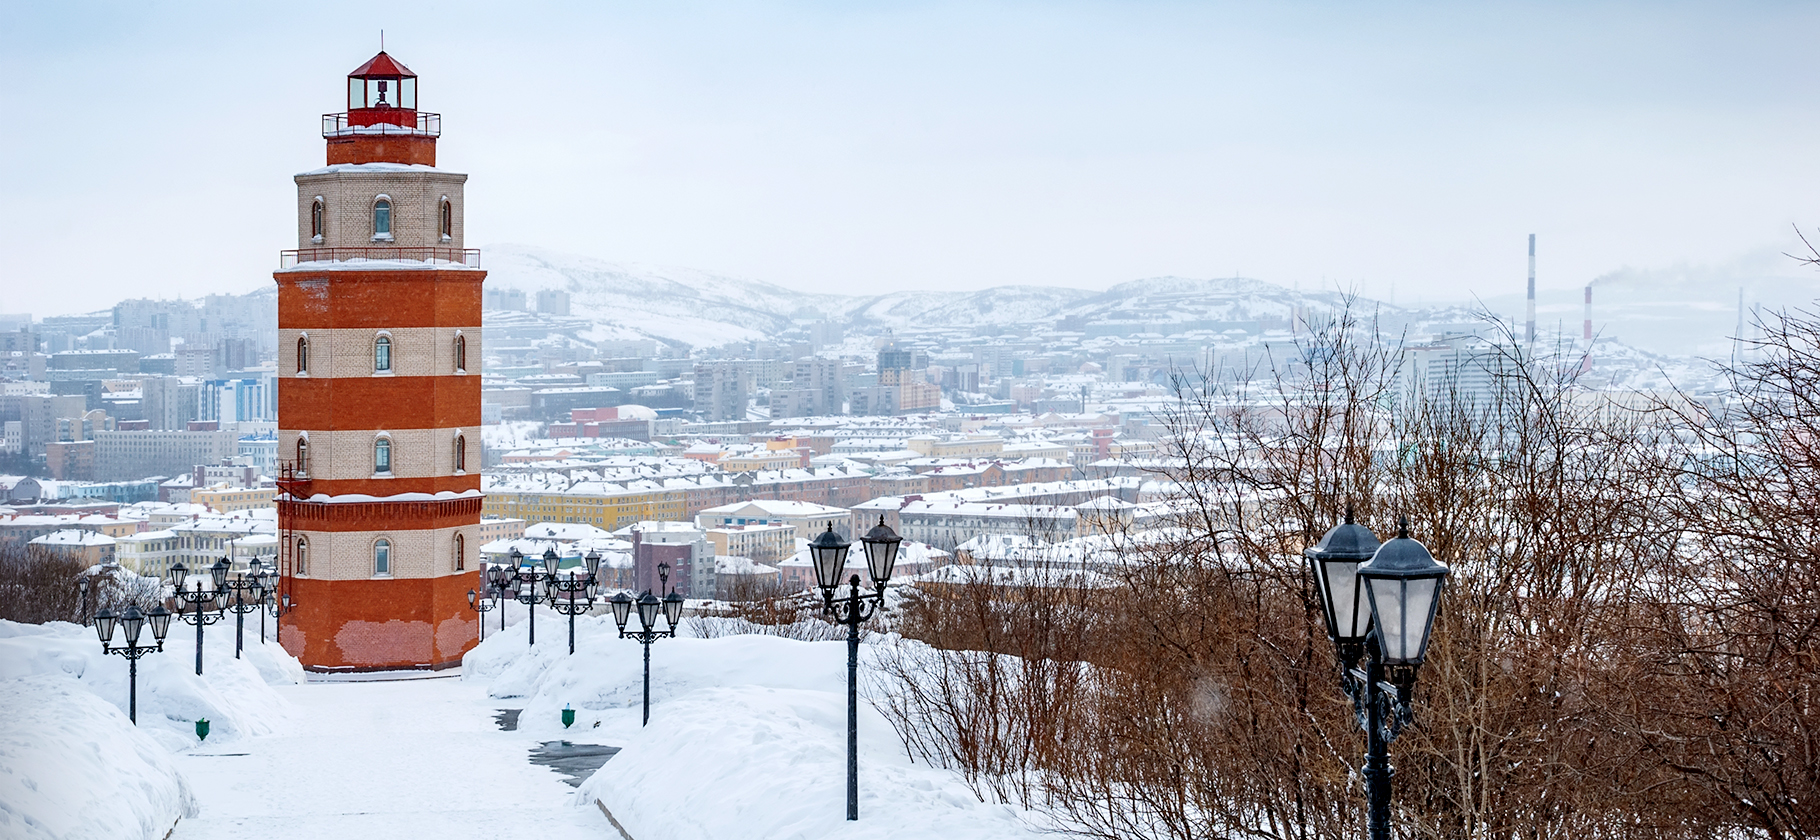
[482,606]
[267,575]
[1379,602]
[85,588]
[648,607]
[242,583]
[528,577]
[572,594]
[277,605]
[828,553]
[133,621]
[499,583]
[215,598]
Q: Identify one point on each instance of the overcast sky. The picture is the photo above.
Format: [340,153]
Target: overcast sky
[148,147]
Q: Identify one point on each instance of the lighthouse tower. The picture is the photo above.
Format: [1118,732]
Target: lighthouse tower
[379,393]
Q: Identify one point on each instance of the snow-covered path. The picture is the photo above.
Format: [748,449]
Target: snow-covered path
[411,758]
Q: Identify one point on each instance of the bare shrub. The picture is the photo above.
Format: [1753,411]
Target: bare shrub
[37,586]
[1197,696]
[768,610]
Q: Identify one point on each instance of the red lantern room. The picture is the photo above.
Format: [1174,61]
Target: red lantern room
[382,123]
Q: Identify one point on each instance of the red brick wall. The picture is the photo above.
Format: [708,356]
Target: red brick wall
[381,624]
[382,149]
[378,300]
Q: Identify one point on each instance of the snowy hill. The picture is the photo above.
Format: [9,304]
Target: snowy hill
[695,307]
[670,304]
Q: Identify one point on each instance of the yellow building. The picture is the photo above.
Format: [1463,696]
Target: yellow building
[961,446]
[601,504]
[763,459]
[224,499]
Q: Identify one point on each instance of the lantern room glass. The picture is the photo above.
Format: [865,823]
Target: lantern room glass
[388,92]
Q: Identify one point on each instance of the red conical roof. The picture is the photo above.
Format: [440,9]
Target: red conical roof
[382,65]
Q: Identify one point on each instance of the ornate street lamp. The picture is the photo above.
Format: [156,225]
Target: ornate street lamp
[528,582]
[267,576]
[277,605]
[214,599]
[828,554]
[1379,602]
[499,584]
[482,606]
[572,594]
[133,622]
[648,608]
[241,583]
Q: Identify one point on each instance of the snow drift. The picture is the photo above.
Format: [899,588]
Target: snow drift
[747,737]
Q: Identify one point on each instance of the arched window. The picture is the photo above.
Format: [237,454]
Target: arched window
[448,220]
[461,352]
[382,455]
[461,553]
[382,354]
[382,557]
[303,455]
[301,565]
[316,220]
[303,355]
[382,219]
[461,453]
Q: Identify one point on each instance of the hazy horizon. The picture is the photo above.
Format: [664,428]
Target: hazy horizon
[1404,151]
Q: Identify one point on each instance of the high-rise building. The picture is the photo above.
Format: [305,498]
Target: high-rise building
[816,389]
[379,392]
[169,403]
[722,389]
[553,302]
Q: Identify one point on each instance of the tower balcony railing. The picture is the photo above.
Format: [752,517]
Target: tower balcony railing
[467,257]
[340,125]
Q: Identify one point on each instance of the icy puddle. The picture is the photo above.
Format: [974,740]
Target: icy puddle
[381,760]
[575,761]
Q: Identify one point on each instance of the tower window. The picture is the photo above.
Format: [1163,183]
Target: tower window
[382,455]
[382,557]
[461,353]
[382,219]
[461,553]
[316,221]
[448,220]
[382,354]
[461,453]
[303,455]
[303,355]
[301,565]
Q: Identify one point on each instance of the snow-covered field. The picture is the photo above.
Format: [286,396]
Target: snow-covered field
[747,740]
[73,766]
[747,737]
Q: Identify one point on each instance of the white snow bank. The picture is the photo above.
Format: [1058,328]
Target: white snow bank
[234,694]
[762,762]
[72,767]
[747,737]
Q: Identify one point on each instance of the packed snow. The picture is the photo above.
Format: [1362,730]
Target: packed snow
[747,739]
[73,766]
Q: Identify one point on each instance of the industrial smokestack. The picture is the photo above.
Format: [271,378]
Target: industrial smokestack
[1586,328]
[1738,337]
[1530,331]
[1586,332]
